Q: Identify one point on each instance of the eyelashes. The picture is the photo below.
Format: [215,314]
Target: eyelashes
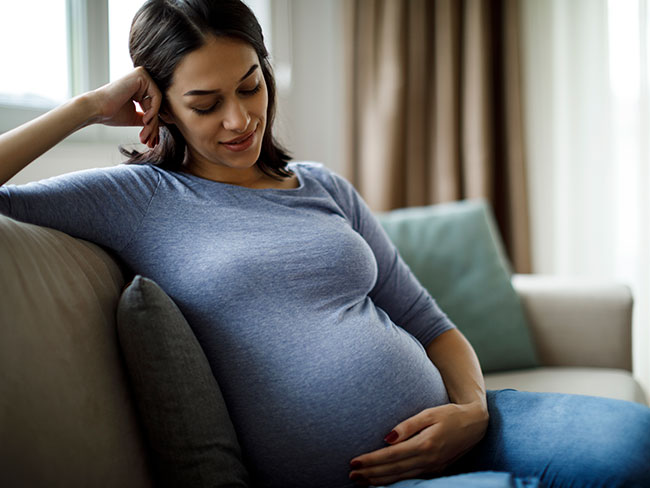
[253,91]
[245,93]
[206,111]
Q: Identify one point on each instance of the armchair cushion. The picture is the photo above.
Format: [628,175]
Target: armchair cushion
[190,435]
[455,251]
[605,382]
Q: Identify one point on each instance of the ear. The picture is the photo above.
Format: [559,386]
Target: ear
[166,117]
[165,114]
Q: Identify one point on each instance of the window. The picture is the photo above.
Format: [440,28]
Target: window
[42,53]
[120,13]
[55,54]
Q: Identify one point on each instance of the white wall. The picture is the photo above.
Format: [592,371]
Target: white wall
[311,115]
[68,157]
[92,147]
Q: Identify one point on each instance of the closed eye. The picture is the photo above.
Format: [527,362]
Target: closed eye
[205,111]
[246,93]
[253,91]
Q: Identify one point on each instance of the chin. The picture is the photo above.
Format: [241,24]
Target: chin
[233,163]
[241,161]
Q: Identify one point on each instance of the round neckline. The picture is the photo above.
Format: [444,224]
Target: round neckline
[293,167]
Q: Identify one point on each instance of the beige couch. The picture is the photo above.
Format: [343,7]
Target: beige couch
[66,414]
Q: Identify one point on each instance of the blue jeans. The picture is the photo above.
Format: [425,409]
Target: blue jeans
[554,440]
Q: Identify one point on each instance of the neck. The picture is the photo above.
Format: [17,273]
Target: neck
[251,177]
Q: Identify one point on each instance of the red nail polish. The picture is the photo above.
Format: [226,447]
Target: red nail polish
[392,437]
[356,464]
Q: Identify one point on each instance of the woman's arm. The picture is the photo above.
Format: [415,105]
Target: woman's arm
[24,144]
[456,360]
[431,440]
[111,105]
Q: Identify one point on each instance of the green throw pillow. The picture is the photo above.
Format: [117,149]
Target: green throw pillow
[455,251]
[189,432]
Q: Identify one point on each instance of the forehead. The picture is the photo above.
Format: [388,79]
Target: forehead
[218,64]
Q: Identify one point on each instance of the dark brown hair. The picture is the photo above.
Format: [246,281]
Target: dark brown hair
[163,32]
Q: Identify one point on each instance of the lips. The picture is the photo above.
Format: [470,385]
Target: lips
[241,143]
[239,140]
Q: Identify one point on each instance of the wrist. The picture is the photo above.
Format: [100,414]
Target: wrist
[478,410]
[468,391]
[87,107]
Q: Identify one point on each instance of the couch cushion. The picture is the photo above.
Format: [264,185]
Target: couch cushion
[455,251]
[605,382]
[192,440]
[66,416]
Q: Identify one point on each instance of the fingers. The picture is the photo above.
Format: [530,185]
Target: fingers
[149,98]
[413,425]
[388,455]
[426,442]
[400,441]
[415,454]
[401,461]
[145,102]
[149,135]
[150,105]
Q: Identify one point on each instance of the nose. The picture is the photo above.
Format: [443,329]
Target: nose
[236,118]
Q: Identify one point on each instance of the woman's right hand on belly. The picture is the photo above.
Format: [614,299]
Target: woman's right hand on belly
[425,443]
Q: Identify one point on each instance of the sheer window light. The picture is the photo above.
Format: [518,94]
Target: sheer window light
[120,14]
[35,53]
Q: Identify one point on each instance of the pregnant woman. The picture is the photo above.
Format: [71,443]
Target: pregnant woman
[337,366]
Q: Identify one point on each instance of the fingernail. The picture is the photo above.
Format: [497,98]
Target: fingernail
[356,464]
[392,437]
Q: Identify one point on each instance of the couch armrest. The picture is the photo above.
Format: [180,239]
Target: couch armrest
[577,322]
[67,417]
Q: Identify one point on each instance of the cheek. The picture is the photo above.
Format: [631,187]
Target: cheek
[194,130]
[263,104]
[200,133]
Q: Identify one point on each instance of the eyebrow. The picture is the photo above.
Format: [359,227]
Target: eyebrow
[210,92]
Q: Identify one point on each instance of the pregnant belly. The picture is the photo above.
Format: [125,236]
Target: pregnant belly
[304,412]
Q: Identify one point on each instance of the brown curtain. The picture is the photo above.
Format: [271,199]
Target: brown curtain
[435,108]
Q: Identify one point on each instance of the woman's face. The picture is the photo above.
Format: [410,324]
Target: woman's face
[218,101]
